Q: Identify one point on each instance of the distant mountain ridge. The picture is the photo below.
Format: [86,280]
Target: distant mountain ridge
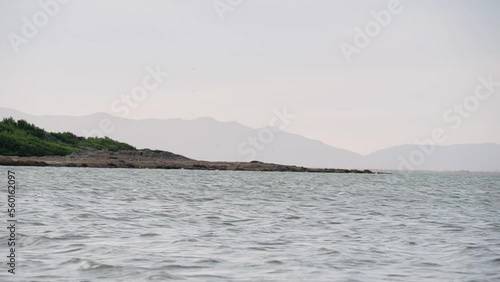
[212,140]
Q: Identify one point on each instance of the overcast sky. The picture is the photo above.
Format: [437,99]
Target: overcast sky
[265,54]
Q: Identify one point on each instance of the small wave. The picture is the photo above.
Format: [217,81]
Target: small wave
[164,277]
[208,260]
[149,235]
[28,241]
[179,266]
[274,261]
[69,251]
[212,217]
[207,276]
[189,240]
[430,264]
[88,265]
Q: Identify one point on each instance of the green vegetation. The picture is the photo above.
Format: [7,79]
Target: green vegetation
[20,138]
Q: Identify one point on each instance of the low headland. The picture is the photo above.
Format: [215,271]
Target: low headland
[24,144]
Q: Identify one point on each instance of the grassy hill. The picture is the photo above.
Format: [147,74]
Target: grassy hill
[20,138]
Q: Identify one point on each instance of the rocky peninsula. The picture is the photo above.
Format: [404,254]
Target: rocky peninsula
[153,159]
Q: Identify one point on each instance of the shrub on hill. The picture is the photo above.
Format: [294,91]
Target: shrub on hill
[20,138]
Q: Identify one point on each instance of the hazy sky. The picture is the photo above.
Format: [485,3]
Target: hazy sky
[265,54]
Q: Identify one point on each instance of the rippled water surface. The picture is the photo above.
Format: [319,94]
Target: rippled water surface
[159,225]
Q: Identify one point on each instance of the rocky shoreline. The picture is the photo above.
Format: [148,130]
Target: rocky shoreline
[154,159]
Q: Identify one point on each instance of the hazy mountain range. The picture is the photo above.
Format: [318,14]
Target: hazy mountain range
[212,140]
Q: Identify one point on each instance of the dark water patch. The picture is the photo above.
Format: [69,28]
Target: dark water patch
[496,260]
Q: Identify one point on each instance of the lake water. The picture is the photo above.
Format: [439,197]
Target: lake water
[80,224]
